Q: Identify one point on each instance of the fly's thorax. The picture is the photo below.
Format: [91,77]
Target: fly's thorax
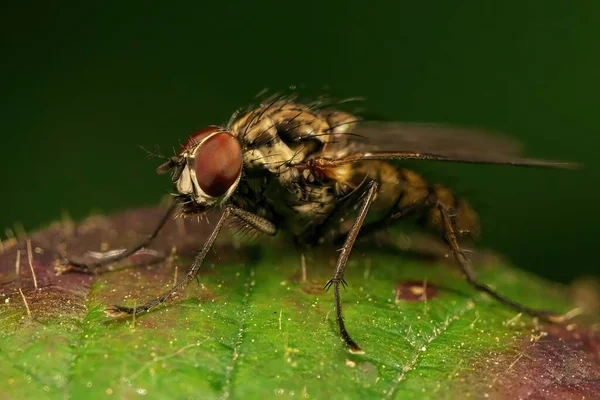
[283,133]
[210,169]
[286,120]
[341,126]
[271,136]
[294,206]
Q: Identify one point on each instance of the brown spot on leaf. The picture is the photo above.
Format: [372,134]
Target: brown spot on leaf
[415,291]
[368,372]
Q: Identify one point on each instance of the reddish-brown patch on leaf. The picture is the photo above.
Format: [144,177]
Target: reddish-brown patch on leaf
[556,362]
[128,228]
[51,293]
[415,291]
[30,269]
[44,303]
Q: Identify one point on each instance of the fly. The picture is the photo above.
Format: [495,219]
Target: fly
[303,168]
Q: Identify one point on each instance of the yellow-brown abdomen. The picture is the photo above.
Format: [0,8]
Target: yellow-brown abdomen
[404,193]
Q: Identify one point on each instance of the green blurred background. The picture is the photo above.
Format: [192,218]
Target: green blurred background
[84,85]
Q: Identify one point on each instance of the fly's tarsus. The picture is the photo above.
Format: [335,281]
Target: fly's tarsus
[118,311]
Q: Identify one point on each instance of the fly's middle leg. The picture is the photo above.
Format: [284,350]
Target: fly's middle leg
[338,276]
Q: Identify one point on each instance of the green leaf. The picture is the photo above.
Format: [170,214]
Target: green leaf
[254,328]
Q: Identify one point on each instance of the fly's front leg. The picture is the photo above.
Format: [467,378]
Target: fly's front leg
[465,266]
[250,219]
[96,266]
[338,276]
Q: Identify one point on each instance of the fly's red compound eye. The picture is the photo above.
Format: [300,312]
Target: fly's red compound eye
[196,138]
[218,164]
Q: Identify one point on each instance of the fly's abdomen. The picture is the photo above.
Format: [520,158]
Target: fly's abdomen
[465,220]
[404,193]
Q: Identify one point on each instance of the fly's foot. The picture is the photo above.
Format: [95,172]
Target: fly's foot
[119,311]
[353,348]
[335,281]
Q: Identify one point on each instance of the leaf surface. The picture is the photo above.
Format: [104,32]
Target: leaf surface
[253,327]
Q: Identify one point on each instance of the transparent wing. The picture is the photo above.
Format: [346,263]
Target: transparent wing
[434,138]
[398,140]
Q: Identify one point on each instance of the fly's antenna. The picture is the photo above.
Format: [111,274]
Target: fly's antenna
[155,154]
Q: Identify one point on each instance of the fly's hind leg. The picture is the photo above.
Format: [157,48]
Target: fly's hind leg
[455,249]
[465,266]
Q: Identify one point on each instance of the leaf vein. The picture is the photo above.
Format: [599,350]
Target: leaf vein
[437,332]
[248,285]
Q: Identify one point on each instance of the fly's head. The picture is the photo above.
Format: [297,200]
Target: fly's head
[207,169]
